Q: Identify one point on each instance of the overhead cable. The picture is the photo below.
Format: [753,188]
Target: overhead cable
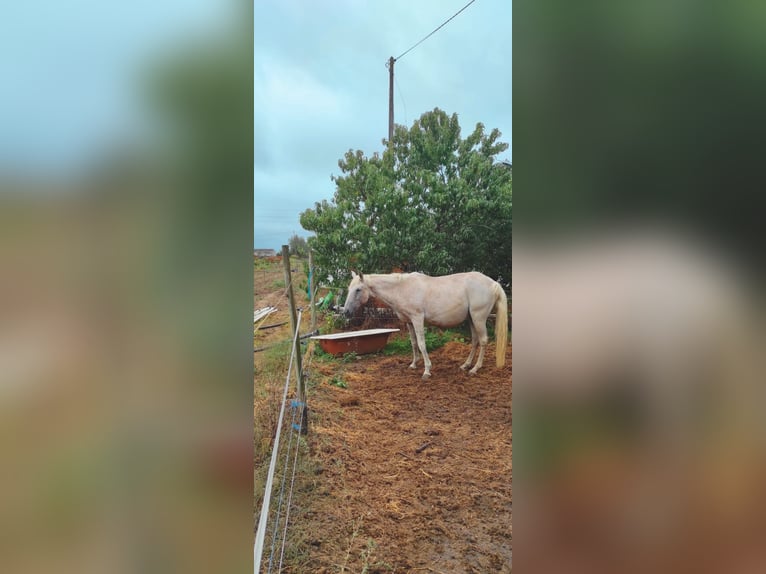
[436,30]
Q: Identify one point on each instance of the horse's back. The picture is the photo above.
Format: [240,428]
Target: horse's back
[449,299]
[468,279]
[475,285]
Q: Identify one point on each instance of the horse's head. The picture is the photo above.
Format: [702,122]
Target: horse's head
[358,294]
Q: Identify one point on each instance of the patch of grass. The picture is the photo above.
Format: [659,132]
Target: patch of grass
[398,346]
[270,374]
[275,361]
[354,534]
[366,554]
[278,284]
[435,338]
[337,381]
[367,558]
[322,356]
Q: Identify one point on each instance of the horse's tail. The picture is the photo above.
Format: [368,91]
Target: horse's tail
[501,325]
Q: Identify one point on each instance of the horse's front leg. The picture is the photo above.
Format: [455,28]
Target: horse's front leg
[419,328]
[414,341]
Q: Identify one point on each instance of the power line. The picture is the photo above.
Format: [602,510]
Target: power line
[401,97]
[437,29]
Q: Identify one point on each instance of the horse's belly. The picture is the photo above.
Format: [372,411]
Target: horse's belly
[448,319]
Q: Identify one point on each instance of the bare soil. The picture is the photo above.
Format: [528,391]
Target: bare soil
[405,475]
[423,469]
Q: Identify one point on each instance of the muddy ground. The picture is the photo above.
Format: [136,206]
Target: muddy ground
[423,469]
[404,475]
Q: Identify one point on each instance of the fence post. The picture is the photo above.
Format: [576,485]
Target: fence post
[295,329]
[312,292]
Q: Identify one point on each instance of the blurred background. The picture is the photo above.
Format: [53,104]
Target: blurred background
[638,286]
[125,286]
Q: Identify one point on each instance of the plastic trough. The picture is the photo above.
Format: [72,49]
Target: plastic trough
[359,342]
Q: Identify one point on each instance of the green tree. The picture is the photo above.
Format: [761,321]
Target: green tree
[434,203]
[298,246]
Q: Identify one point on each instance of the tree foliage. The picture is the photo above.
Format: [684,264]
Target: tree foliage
[434,203]
[298,246]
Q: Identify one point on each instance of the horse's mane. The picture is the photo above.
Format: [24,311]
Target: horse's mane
[403,275]
[398,276]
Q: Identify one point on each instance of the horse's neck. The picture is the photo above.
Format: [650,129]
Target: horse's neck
[385,287]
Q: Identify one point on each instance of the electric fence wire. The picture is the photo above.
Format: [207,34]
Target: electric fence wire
[306,362]
[289,501]
[277,517]
[295,466]
[262,522]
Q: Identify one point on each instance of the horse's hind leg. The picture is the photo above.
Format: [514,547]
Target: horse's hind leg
[414,341]
[474,344]
[419,328]
[480,329]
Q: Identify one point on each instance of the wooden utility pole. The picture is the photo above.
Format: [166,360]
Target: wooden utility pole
[391,102]
[293,322]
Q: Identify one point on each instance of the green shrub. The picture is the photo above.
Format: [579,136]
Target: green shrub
[435,338]
[333,323]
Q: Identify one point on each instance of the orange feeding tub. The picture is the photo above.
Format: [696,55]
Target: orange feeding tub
[359,342]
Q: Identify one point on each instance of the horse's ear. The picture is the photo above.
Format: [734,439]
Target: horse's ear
[361,276]
[353,274]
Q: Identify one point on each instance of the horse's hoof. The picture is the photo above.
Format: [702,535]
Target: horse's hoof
[413,366]
[464,367]
[426,376]
[473,371]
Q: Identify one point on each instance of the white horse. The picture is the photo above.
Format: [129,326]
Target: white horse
[445,301]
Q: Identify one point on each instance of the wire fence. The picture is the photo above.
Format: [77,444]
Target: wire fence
[271,542]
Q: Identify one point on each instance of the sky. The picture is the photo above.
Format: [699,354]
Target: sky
[321,88]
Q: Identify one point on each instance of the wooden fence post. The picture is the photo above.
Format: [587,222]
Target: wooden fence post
[312,292]
[295,327]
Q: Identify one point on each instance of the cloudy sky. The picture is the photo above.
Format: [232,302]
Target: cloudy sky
[321,88]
